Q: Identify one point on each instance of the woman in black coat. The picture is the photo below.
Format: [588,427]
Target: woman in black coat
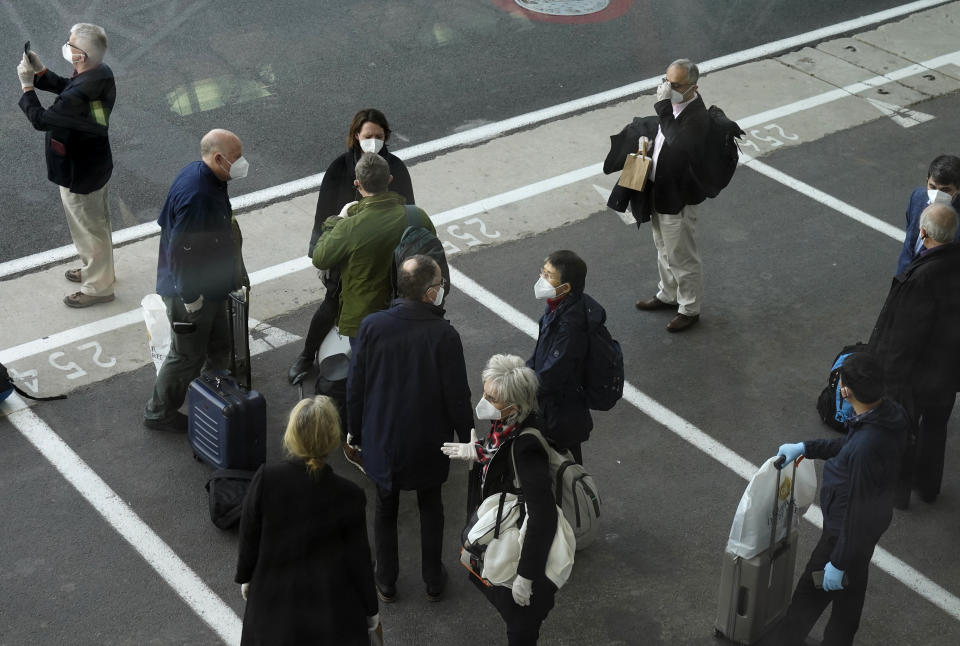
[510,402]
[304,564]
[369,132]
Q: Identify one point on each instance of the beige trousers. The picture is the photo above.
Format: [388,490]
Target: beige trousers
[678,259]
[88,217]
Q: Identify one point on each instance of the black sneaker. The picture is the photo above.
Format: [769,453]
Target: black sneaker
[386,593]
[175,424]
[435,592]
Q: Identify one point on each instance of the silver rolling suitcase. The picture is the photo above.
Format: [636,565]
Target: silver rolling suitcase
[755,592]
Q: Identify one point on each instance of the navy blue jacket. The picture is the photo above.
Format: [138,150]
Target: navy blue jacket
[558,359]
[197,252]
[407,394]
[859,479]
[77,145]
[918,202]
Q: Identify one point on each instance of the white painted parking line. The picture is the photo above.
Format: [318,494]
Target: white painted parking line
[195,593]
[726,456]
[827,200]
[489,131]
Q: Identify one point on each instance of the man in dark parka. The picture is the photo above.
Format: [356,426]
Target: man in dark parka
[407,393]
[917,340]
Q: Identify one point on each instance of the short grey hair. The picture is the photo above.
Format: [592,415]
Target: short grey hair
[688,66]
[373,173]
[940,222]
[91,39]
[512,382]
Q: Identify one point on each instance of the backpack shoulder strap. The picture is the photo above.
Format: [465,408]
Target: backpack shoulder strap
[413,215]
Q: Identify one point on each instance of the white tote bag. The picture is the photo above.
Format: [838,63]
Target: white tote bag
[750,533]
[158,328]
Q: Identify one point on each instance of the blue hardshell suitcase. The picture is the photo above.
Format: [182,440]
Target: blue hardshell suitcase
[227,424]
[227,421]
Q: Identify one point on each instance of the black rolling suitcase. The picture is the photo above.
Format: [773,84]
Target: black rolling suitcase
[227,421]
[755,592]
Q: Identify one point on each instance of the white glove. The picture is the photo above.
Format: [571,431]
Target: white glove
[244,590]
[663,91]
[195,306]
[462,450]
[350,441]
[33,61]
[645,145]
[25,72]
[346,207]
[522,590]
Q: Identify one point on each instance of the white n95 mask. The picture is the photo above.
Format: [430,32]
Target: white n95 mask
[676,97]
[543,289]
[239,168]
[67,52]
[438,299]
[938,196]
[486,410]
[371,145]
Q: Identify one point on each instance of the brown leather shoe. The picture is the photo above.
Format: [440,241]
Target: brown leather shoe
[654,304]
[73,275]
[681,322]
[79,299]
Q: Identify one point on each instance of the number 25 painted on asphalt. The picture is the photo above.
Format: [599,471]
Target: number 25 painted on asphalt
[76,371]
[454,230]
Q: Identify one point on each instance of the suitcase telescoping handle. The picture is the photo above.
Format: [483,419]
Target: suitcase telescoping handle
[774,516]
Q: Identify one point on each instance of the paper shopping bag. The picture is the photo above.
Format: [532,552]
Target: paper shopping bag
[636,169]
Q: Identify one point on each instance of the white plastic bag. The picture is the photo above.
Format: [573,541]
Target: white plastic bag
[750,534]
[158,328]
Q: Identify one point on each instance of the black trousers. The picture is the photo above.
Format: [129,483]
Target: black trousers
[430,503]
[930,446]
[808,602]
[322,322]
[523,622]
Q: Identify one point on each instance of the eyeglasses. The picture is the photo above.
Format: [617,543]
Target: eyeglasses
[547,275]
[675,86]
[77,48]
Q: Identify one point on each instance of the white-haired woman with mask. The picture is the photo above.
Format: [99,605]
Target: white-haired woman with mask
[304,564]
[510,403]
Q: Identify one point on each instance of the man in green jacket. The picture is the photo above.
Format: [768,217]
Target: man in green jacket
[362,244]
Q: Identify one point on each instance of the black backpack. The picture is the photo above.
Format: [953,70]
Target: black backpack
[7,387]
[603,367]
[226,490]
[721,153]
[831,407]
[418,240]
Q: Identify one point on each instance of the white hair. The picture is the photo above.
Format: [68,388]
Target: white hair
[90,38]
[940,222]
[512,382]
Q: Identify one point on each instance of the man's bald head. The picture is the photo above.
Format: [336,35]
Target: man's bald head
[416,276]
[219,148]
[939,222]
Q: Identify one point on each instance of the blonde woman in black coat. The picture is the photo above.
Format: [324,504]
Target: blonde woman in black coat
[304,562]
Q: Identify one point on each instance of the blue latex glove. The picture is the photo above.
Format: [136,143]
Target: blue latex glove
[791,452]
[832,578]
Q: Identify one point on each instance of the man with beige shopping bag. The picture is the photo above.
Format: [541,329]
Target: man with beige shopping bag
[678,147]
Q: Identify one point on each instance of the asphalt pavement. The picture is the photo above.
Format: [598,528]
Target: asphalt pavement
[288,77]
[791,277]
